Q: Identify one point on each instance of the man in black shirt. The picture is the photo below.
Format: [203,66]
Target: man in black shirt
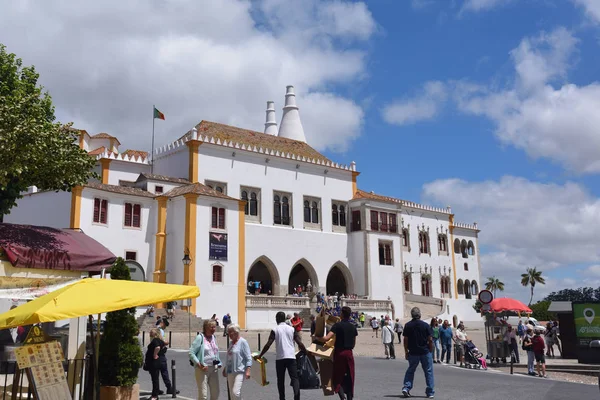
[343,360]
[418,346]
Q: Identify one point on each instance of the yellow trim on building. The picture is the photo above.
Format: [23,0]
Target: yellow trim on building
[189,273]
[81,140]
[193,160]
[160,260]
[242,265]
[75,222]
[451,226]
[105,163]
[354,184]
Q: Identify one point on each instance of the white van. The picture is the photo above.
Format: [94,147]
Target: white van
[514,321]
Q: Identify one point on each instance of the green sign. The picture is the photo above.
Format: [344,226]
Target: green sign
[587,320]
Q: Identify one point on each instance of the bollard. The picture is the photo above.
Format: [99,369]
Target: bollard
[454,353]
[170,338]
[259,342]
[512,361]
[143,338]
[174,379]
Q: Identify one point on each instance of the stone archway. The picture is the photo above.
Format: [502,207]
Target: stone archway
[300,275]
[339,279]
[263,270]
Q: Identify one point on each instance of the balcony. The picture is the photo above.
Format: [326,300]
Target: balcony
[283,302]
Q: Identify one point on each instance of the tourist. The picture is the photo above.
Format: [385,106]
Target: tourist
[226,322]
[288,319]
[460,337]
[528,347]
[521,331]
[239,361]
[398,328]
[418,346]
[297,323]
[158,318]
[549,338]
[170,309]
[375,326]
[204,354]
[446,340]
[435,328]
[361,319]
[284,337]
[387,336]
[343,359]
[510,338]
[313,326]
[164,369]
[152,361]
[215,318]
[556,336]
[538,352]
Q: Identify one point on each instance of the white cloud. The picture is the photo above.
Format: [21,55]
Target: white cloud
[482,5]
[422,107]
[420,4]
[526,224]
[105,64]
[539,113]
[591,7]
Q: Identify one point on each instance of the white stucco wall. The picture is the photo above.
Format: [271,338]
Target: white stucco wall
[386,280]
[125,171]
[174,164]
[42,208]
[114,235]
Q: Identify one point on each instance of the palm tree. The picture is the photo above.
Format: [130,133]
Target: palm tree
[494,284]
[530,278]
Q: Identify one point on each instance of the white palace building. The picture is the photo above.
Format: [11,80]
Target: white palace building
[252,206]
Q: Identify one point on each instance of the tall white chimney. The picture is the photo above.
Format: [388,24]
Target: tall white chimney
[290,126]
[271,123]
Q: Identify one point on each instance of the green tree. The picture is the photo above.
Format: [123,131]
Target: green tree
[531,278]
[580,294]
[120,356]
[34,150]
[494,284]
[540,311]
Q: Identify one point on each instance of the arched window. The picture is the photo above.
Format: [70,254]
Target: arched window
[407,283]
[466,266]
[217,273]
[335,216]
[459,287]
[342,216]
[405,239]
[253,204]
[456,246]
[442,243]
[315,212]
[423,243]
[245,198]
[306,211]
[463,248]
[474,288]
[471,248]
[445,285]
[426,286]
[467,289]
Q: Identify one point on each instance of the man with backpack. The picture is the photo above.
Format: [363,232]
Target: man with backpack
[387,336]
[226,322]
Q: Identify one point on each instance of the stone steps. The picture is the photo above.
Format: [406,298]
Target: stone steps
[180,323]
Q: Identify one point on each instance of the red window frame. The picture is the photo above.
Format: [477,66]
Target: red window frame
[217,273]
[393,223]
[356,223]
[100,210]
[374,220]
[383,217]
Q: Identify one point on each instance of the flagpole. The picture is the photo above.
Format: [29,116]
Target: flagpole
[152,150]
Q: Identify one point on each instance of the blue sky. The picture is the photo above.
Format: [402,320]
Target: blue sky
[490,106]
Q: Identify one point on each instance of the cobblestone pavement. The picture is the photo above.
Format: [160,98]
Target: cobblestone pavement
[378,378]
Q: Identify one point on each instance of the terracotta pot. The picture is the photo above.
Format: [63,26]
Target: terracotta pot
[120,392]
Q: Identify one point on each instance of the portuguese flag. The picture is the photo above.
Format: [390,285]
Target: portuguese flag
[158,114]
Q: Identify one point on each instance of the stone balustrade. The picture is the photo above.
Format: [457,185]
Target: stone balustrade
[282,302]
[367,305]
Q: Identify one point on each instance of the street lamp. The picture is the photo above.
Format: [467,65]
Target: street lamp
[186,260]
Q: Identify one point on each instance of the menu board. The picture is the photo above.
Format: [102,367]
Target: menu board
[45,361]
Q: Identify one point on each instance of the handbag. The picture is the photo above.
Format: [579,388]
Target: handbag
[201,344]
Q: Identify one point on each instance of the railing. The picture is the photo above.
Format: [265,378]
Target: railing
[277,302]
[365,305]
[424,299]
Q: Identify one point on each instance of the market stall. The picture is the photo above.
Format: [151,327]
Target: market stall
[496,326]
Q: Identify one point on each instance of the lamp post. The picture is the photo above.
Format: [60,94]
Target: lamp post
[186,260]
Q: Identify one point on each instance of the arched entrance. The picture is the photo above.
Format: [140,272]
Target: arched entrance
[264,272]
[300,276]
[339,280]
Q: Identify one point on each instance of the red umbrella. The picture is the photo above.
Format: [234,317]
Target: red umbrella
[507,304]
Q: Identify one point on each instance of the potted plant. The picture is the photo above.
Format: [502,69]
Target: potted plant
[120,357]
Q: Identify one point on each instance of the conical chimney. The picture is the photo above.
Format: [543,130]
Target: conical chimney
[290,126]
[271,122]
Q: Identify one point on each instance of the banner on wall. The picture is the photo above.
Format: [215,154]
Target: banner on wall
[587,322]
[217,246]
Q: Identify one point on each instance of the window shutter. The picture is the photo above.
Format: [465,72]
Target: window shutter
[215,217]
[356,226]
[96,210]
[374,221]
[253,204]
[393,225]
[381,255]
[276,210]
[217,273]
[103,211]
[342,216]
[315,212]
[307,211]
[334,215]
[384,221]
[127,214]
[137,217]
[221,218]
[388,254]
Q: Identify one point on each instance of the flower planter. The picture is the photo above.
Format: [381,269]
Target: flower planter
[120,392]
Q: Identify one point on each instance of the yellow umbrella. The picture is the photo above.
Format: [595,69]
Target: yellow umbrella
[94,296]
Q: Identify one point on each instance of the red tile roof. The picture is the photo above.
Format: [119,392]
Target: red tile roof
[137,154]
[98,151]
[104,135]
[197,188]
[119,189]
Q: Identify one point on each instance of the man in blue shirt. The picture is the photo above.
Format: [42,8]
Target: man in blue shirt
[446,340]
[418,346]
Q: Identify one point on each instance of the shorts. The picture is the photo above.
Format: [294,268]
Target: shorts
[539,357]
[460,350]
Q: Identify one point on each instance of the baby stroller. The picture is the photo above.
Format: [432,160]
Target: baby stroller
[472,356]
